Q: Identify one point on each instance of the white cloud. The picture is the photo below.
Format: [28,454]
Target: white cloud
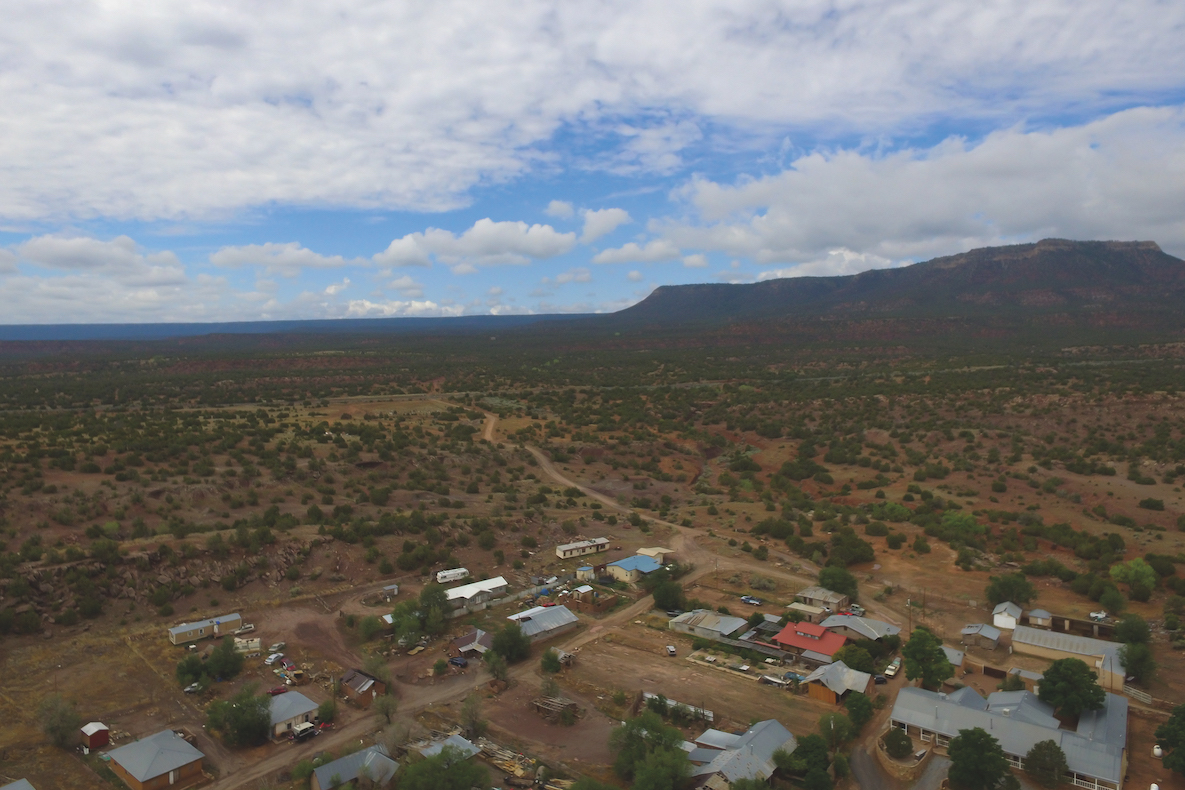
[407,287]
[654,251]
[364,308]
[203,109]
[577,275]
[635,277]
[487,243]
[7,262]
[696,261]
[287,259]
[336,288]
[119,259]
[560,209]
[602,222]
[836,262]
[495,291]
[1121,177]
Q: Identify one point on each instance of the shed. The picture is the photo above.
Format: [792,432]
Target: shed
[1006,615]
[810,614]
[1039,618]
[362,687]
[586,573]
[19,784]
[658,553]
[372,763]
[161,760]
[390,591]
[981,635]
[290,709]
[955,657]
[456,741]
[831,682]
[95,735]
[705,623]
[544,622]
[827,600]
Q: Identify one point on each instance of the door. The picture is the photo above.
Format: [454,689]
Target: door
[172,777]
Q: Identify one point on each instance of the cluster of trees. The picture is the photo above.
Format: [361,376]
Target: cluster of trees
[223,664]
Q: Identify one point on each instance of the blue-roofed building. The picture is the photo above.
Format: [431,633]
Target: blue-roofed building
[372,763]
[1096,752]
[632,569]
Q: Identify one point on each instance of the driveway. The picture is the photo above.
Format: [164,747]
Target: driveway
[869,776]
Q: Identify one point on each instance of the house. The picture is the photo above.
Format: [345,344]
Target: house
[19,784]
[831,682]
[658,553]
[544,622]
[373,764]
[827,600]
[720,758]
[1102,657]
[290,709]
[1096,751]
[95,735]
[477,592]
[214,627]
[462,745]
[1006,615]
[1039,618]
[807,613]
[632,569]
[981,635]
[472,645]
[854,627]
[706,623]
[586,573]
[361,687]
[812,643]
[161,760]
[581,548]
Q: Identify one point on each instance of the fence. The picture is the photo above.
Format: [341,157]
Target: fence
[1136,694]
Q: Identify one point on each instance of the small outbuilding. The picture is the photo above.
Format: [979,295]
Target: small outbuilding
[660,554]
[362,687]
[827,600]
[472,645]
[464,746]
[95,735]
[1006,615]
[831,682]
[158,761]
[981,635]
[807,613]
[1039,618]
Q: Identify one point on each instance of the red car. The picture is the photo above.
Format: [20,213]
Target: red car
[278,690]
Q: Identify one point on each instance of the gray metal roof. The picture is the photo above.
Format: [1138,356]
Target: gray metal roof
[840,678]
[955,657]
[372,762]
[821,593]
[155,755]
[745,756]
[456,741]
[710,621]
[1069,643]
[1041,614]
[982,629]
[290,705]
[1007,607]
[1016,720]
[866,627]
[551,618]
[19,784]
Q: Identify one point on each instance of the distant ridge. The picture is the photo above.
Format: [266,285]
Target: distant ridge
[1053,275]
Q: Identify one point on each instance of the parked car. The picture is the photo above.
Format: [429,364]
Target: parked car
[288,664]
[857,610]
[749,599]
[458,661]
[193,688]
[893,668]
[278,690]
[1098,617]
[246,629]
[670,650]
[277,647]
[273,658]
[880,680]
[674,612]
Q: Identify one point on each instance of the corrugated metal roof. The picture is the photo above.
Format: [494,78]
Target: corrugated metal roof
[1007,607]
[155,755]
[93,727]
[473,588]
[1095,752]
[1069,643]
[711,621]
[822,593]
[290,705]
[840,678]
[638,562]
[186,627]
[955,657]
[456,741]
[549,619]
[746,756]
[1041,614]
[868,628]
[982,629]
[19,784]
[373,762]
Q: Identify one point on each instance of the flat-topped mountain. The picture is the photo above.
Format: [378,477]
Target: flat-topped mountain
[1053,275]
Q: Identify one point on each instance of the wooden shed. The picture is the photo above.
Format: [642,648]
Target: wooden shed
[95,735]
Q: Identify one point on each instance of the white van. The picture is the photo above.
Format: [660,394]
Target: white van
[303,730]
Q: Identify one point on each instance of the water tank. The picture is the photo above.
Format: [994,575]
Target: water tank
[1157,751]
[1154,786]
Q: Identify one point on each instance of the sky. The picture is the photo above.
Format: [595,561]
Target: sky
[217,161]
